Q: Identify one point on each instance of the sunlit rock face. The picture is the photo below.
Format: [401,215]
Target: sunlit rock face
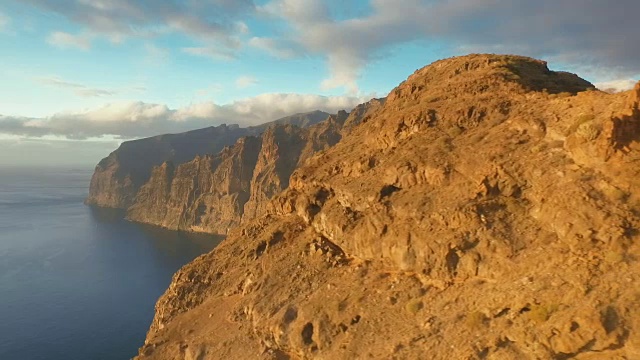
[488,209]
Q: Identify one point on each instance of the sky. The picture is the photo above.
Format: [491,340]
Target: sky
[77,77]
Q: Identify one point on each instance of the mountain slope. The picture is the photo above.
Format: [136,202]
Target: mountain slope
[489,209]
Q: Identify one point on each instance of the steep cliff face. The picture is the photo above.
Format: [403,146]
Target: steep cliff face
[156,193]
[279,156]
[488,210]
[112,184]
[118,177]
[278,159]
[206,194]
[215,193]
[362,112]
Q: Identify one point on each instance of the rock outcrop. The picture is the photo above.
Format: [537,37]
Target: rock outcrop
[360,113]
[118,177]
[278,159]
[489,209]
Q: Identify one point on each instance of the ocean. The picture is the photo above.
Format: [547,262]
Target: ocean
[78,282]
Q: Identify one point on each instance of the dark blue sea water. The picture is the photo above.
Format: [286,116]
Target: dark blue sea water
[77,283]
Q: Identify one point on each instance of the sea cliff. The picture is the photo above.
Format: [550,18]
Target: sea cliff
[118,177]
[215,193]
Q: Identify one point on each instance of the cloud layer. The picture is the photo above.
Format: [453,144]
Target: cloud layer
[615,86]
[78,89]
[4,21]
[138,119]
[215,21]
[246,81]
[65,40]
[594,33]
[211,52]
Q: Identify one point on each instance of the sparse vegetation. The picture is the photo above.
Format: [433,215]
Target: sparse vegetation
[582,119]
[539,147]
[561,95]
[476,319]
[455,131]
[413,306]
[613,257]
[444,143]
[615,194]
[588,131]
[541,313]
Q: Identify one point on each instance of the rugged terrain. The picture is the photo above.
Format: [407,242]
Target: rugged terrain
[213,193]
[488,209]
[118,177]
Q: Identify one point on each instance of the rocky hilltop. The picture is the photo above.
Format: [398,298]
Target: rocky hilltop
[488,209]
[212,194]
[118,177]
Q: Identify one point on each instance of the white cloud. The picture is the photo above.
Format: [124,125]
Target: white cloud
[4,21]
[616,85]
[78,89]
[155,56]
[138,119]
[210,90]
[212,21]
[46,151]
[245,81]
[275,47]
[352,39]
[65,40]
[213,53]
[241,27]
[546,28]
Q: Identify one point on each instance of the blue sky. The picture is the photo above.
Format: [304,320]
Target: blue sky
[80,71]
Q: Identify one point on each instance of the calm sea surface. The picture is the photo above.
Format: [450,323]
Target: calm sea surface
[77,283]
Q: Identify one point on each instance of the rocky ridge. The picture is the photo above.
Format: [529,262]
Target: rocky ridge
[214,193]
[118,177]
[488,209]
